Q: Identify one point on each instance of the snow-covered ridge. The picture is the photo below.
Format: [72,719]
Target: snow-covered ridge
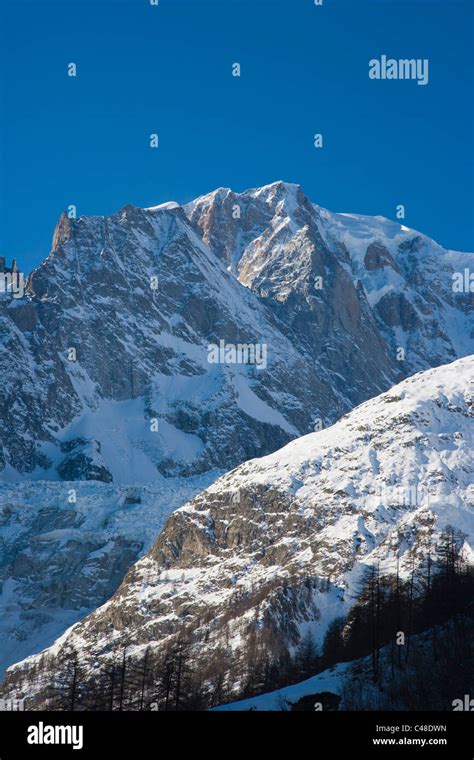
[168,206]
[419,397]
[280,542]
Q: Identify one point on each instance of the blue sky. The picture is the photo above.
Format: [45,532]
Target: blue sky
[167,69]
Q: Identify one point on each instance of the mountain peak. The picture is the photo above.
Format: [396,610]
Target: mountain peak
[288,192]
[63,230]
[167,206]
[278,185]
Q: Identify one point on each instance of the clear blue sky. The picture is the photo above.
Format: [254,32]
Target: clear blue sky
[167,69]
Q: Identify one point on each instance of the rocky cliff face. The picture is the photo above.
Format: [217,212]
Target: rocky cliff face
[116,326]
[325,271]
[279,544]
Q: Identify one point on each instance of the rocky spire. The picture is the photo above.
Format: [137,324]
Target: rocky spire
[63,230]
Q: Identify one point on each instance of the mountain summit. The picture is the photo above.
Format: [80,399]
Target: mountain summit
[116,325]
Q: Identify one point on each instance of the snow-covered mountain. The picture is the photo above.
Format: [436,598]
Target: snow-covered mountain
[107,384]
[281,243]
[279,544]
[115,328]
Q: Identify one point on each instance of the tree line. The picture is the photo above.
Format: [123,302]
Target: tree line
[392,619]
